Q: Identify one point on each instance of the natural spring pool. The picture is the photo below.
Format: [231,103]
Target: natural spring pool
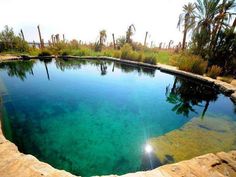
[93,117]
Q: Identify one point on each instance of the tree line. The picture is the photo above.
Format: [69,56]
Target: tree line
[210,23]
[212,27]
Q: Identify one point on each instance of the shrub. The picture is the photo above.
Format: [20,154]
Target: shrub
[190,63]
[11,42]
[73,44]
[126,51]
[164,57]
[141,56]
[65,53]
[108,53]
[137,46]
[116,53]
[214,71]
[150,58]
[133,55]
[199,65]
[82,52]
[57,48]
[174,59]
[44,52]
[34,51]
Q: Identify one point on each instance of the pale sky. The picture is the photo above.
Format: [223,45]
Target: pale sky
[83,19]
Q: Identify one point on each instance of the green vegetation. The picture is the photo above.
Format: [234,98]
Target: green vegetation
[214,71]
[102,39]
[45,52]
[187,18]
[190,63]
[11,42]
[164,56]
[214,37]
[212,48]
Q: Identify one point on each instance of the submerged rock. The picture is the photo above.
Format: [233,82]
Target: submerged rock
[197,137]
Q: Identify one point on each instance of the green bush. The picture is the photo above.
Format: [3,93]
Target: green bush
[117,53]
[66,52]
[199,65]
[83,52]
[214,71]
[190,63]
[34,51]
[44,53]
[58,47]
[11,42]
[108,53]
[141,56]
[126,51]
[164,57]
[150,58]
[133,55]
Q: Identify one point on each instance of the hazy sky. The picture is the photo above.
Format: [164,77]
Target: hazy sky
[82,19]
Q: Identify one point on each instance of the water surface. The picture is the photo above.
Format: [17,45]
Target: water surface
[96,117]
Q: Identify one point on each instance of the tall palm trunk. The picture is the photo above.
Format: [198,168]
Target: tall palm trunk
[145,40]
[186,21]
[184,39]
[216,30]
[234,24]
[114,41]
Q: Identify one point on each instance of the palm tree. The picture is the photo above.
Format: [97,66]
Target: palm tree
[187,19]
[206,10]
[212,17]
[219,21]
[102,37]
[130,33]
[234,24]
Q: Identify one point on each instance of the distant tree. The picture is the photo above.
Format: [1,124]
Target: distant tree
[187,19]
[102,40]
[9,41]
[130,33]
[102,37]
[170,43]
[120,42]
[214,38]
[74,44]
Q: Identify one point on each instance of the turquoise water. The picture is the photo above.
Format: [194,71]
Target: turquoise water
[95,117]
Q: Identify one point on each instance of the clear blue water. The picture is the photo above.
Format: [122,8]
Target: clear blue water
[95,117]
